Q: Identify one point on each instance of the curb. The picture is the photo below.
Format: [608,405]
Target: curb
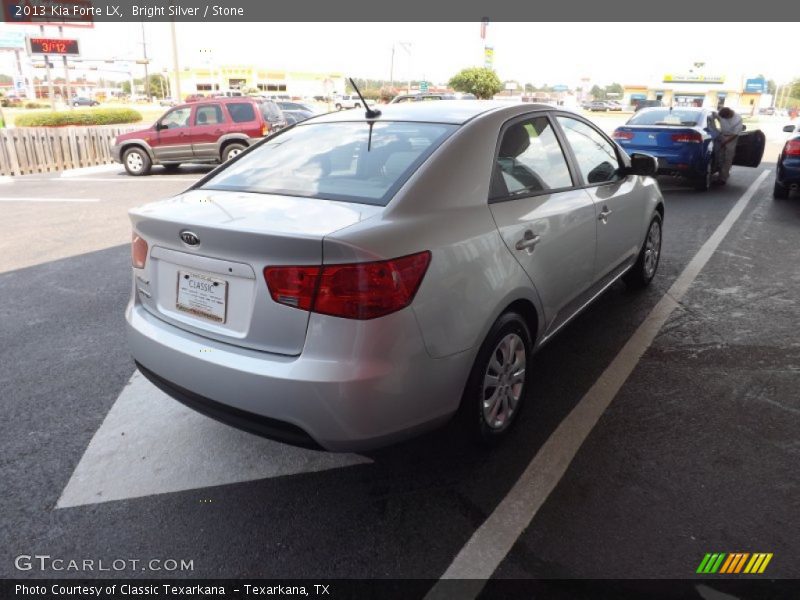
[90,170]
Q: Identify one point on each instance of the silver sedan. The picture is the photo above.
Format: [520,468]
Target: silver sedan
[356,278]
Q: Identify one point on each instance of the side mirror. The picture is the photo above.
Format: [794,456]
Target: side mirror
[643,164]
[789,128]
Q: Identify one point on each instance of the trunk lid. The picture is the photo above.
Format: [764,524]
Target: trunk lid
[216,288]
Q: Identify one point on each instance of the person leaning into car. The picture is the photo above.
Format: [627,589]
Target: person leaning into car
[730,126]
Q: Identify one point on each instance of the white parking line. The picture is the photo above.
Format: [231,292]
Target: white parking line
[151,444]
[492,541]
[28,199]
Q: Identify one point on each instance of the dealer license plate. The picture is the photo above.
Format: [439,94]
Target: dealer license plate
[202,296]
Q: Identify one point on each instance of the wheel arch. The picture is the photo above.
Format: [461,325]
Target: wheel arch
[128,144]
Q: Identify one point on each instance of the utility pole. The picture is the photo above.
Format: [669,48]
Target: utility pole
[175,68]
[50,91]
[66,72]
[391,70]
[146,78]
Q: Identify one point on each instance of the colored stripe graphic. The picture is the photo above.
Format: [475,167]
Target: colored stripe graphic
[723,563]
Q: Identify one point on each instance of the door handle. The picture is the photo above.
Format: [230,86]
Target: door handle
[528,241]
[603,216]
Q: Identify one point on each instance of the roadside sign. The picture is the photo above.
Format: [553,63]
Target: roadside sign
[488,57]
[12,40]
[58,13]
[423,87]
[39,46]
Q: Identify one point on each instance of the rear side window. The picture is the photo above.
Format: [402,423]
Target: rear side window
[349,161]
[208,114]
[530,161]
[241,112]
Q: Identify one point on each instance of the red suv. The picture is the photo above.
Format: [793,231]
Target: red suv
[212,130]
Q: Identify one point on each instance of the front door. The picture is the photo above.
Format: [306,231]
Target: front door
[749,148]
[620,210]
[546,222]
[173,141]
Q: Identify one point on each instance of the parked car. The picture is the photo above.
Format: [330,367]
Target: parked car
[614,105]
[599,105]
[422,97]
[787,176]
[351,281]
[209,131]
[285,105]
[682,139]
[347,101]
[83,101]
[648,104]
[769,110]
[194,98]
[168,102]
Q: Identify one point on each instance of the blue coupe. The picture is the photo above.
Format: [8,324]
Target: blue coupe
[682,139]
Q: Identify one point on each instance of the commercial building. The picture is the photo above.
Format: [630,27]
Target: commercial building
[699,89]
[221,78]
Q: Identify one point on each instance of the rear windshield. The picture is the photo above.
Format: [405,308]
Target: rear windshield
[335,161]
[676,116]
[270,110]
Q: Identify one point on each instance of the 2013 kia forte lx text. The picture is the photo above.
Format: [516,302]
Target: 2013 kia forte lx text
[356,278]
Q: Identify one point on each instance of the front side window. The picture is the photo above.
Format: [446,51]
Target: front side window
[354,162]
[530,160]
[595,155]
[177,118]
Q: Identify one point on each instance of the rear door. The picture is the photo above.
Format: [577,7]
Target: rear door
[749,148]
[546,222]
[209,124]
[620,210]
[174,143]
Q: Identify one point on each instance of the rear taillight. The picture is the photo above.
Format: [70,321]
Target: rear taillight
[623,135]
[690,137]
[265,129]
[792,148]
[138,251]
[351,291]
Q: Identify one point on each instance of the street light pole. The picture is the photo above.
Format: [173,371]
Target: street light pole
[146,78]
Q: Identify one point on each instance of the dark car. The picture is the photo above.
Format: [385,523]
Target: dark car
[682,139]
[787,176]
[209,131]
[83,101]
[295,112]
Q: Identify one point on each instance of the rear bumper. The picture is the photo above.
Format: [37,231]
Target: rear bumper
[788,171]
[368,389]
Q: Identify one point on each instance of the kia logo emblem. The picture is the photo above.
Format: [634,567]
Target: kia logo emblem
[189,238]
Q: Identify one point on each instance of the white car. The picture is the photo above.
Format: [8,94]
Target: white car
[347,101]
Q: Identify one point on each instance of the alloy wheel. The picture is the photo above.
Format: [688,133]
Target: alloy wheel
[503,381]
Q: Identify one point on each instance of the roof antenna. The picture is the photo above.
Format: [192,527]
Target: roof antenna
[371,114]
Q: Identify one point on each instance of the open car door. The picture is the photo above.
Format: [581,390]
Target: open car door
[750,148]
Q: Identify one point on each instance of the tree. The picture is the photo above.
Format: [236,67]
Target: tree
[614,88]
[598,93]
[794,88]
[482,82]
[529,88]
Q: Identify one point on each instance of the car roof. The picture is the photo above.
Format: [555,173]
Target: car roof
[456,112]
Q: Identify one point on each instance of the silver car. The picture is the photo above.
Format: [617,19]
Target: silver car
[351,281]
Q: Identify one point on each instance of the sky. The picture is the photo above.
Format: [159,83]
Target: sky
[539,53]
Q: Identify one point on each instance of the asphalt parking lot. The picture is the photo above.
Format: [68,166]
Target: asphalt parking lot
[695,453]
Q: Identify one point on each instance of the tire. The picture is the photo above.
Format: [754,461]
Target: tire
[780,192]
[136,161]
[357,105]
[171,167]
[232,150]
[702,183]
[505,357]
[338,106]
[644,269]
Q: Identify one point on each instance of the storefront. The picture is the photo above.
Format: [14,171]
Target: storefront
[700,90]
